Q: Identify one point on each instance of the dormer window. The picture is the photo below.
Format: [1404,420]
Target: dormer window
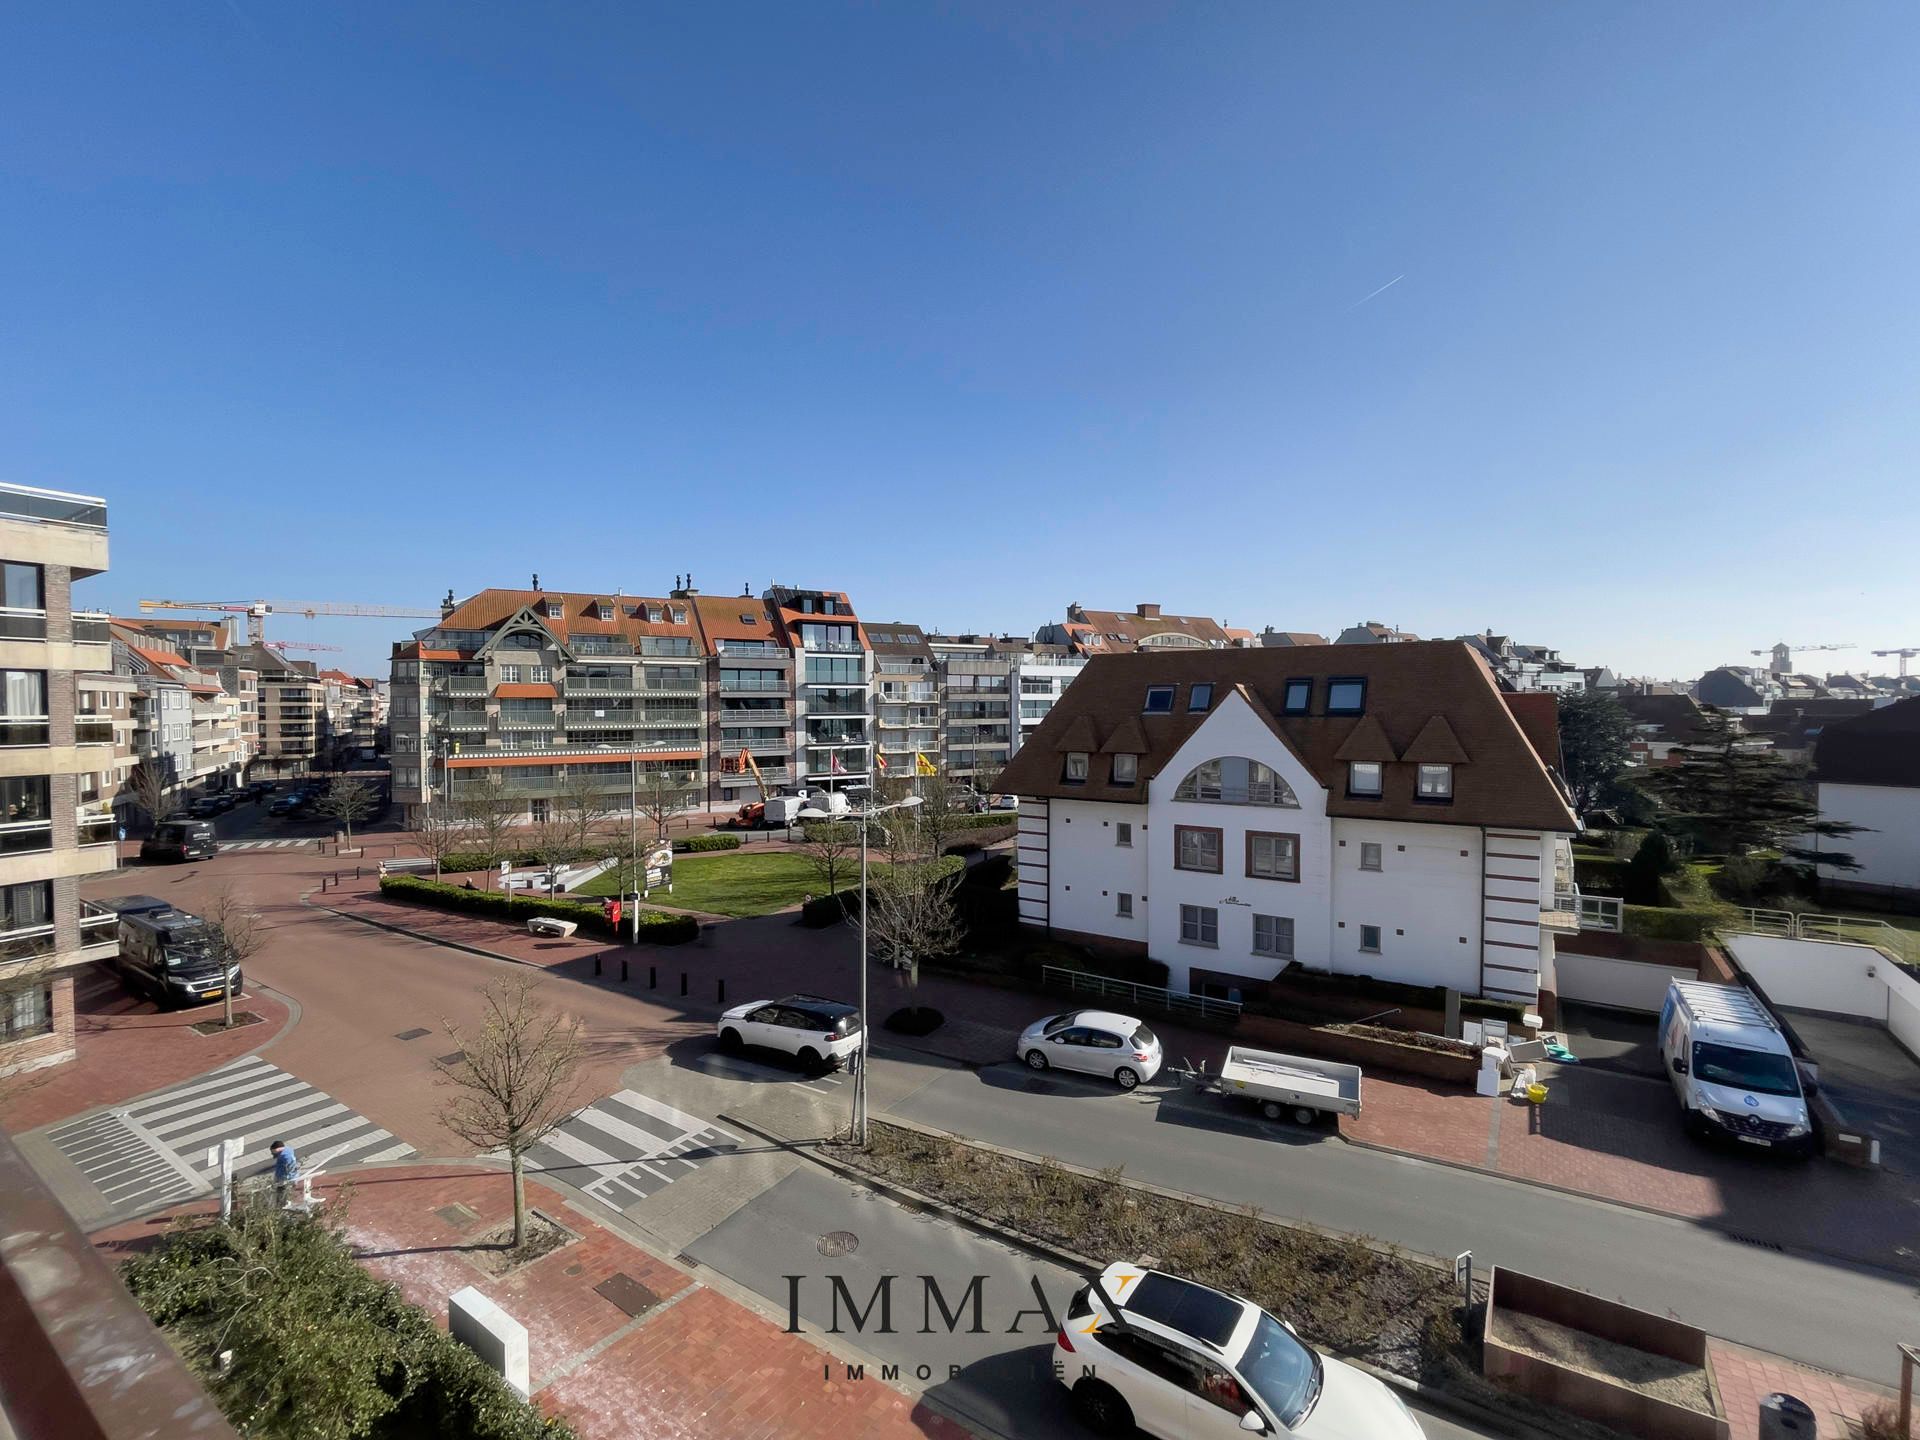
[679,614]
[655,613]
[606,612]
[1126,769]
[1076,771]
[1346,696]
[1364,778]
[1436,782]
[1159,700]
[556,609]
[746,618]
[1199,699]
[1298,699]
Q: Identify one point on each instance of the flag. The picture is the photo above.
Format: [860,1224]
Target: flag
[922,765]
[883,763]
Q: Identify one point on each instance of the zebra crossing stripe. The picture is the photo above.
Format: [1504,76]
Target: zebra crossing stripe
[681,1121]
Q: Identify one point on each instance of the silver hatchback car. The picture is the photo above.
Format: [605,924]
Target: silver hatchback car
[1093,1042]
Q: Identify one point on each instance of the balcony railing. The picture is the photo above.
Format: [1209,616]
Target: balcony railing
[731,686]
[52,507]
[460,685]
[97,827]
[666,645]
[26,943]
[831,647]
[526,719]
[599,645]
[462,720]
[92,730]
[836,707]
[772,774]
[777,715]
[598,685]
[23,731]
[611,720]
[22,624]
[97,923]
[23,837]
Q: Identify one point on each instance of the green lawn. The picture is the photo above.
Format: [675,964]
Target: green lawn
[728,884]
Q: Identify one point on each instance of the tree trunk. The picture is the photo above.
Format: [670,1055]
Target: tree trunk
[226,1003]
[519,1201]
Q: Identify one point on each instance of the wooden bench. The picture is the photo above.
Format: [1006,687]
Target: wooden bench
[552,928]
[406,865]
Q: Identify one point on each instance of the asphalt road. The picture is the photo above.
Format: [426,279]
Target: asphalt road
[1837,1316]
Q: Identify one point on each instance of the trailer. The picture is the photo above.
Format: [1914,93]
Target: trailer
[1280,1084]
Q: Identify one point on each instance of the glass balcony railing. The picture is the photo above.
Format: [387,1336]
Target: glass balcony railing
[21,624]
[24,731]
[97,827]
[27,942]
[97,923]
[91,627]
[24,837]
[52,507]
[92,730]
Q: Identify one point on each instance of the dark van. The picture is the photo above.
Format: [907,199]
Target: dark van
[175,958]
[180,839]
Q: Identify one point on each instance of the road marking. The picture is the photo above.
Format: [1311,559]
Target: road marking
[634,1145]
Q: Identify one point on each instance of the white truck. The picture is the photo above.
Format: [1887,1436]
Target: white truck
[1297,1084]
[1732,1069]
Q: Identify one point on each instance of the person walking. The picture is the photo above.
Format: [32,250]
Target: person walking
[286,1169]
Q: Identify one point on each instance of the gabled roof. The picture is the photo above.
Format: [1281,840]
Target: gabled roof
[1366,742]
[735,617]
[1538,716]
[580,613]
[1436,744]
[1110,631]
[1127,738]
[1407,685]
[1678,717]
[1881,747]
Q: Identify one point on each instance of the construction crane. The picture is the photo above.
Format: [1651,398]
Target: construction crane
[299,645]
[1905,653]
[1783,653]
[257,611]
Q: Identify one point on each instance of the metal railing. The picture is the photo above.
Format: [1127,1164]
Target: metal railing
[92,730]
[782,716]
[97,923]
[92,627]
[23,837]
[98,827]
[460,685]
[461,720]
[1836,929]
[1172,1002]
[611,688]
[27,943]
[53,507]
[17,623]
[751,687]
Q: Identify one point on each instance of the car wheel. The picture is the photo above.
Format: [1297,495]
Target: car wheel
[730,1039]
[1101,1409]
[810,1060]
[1036,1060]
[1126,1078]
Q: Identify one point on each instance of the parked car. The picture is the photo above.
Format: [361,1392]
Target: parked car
[1093,1042]
[1732,1069]
[261,787]
[206,807]
[1187,1362]
[817,1032]
[284,805]
[180,837]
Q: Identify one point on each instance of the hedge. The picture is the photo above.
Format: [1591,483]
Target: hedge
[1598,876]
[825,910]
[695,844]
[657,927]
[991,819]
[1649,922]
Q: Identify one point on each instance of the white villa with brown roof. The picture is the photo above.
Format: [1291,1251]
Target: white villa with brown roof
[1367,809]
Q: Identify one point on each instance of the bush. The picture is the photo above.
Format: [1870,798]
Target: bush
[1649,922]
[1651,863]
[697,844]
[981,838]
[1743,878]
[656,926]
[1600,875]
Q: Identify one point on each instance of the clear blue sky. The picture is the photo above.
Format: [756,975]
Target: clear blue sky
[973,310]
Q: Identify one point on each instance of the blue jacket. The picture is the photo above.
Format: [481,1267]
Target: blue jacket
[286,1164]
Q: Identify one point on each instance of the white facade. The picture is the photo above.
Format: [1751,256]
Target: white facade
[1428,904]
[1888,848]
[1038,683]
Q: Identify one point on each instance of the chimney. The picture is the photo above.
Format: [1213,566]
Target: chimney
[536,579]
[447,605]
[1146,611]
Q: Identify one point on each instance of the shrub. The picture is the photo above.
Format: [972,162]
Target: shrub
[657,927]
[1648,922]
[1600,875]
[1744,877]
[1652,862]
[696,844]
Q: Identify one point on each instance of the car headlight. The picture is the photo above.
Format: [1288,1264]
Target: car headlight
[1712,1114]
[1796,1130]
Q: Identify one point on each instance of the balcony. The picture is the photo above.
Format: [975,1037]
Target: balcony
[92,729]
[26,837]
[22,624]
[97,827]
[611,719]
[52,507]
[595,685]
[29,942]
[461,720]
[832,647]
[526,719]
[666,645]
[836,707]
[771,774]
[599,645]
[677,691]
[778,716]
[92,627]
[729,685]
[460,685]
[97,923]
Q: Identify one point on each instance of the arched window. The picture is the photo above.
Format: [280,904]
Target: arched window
[1236,780]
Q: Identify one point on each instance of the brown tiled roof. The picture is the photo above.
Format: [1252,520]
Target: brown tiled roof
[719,617]
[581,615]
[1366,742]
[1436,744]
[535,691]
[1539,717]
[1503,781]
[1132,627]
[1127,738]
[1678,717]
[1881,747]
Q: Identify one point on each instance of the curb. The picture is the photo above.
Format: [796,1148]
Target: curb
[920,1203]
[429,939]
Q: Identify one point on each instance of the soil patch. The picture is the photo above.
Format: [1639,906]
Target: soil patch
[1674,1381]
[490,1253]
[214,1027]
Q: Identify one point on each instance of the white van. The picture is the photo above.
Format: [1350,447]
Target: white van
[1732,1068]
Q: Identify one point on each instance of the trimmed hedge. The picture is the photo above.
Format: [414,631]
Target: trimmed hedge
[1649,922]
[656,926]
[698,844]
[1007,819]
[1601,876]
[824,910]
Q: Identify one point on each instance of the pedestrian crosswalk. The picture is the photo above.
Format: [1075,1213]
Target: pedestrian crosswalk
[626,1147]
[229,846]
[154,1151]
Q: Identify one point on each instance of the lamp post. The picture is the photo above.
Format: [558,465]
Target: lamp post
[865,817]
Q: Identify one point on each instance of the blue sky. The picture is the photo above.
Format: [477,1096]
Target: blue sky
[975,310]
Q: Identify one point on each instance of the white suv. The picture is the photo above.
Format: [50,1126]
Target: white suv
[819,1033]
[1188,1362]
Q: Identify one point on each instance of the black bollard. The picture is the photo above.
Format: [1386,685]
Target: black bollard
[623,972]
[683,982]
[720,991]
[596,964]
[653,977]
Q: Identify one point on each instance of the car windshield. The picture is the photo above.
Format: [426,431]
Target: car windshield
[1142,1038]
[1744,1069]
[1284,1373]
[1054,1024]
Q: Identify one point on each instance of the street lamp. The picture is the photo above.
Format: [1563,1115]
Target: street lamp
[864,816]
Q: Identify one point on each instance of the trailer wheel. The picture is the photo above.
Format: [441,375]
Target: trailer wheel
[1304,1116]
[1270,1109]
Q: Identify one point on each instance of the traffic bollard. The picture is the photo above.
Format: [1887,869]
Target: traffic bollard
[1786,1417]
[683,982]
[623,971]
[596,964]
[720,991]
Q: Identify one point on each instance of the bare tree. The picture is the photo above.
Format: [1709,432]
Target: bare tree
[442,829]
[579,809]
[834,849]
[347,801]
[148,783]
[491,814]
[662,795]
[517,1078]
[937,818]
[910,907]
[237,933]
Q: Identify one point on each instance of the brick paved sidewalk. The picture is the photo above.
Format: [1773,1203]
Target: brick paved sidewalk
[1746,1377]
[692,1363]
[125,1047]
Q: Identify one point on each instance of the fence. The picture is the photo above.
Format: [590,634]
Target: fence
[1204,1006]
[1840,929]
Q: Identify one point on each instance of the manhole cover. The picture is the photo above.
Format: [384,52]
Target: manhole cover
[454,1059]
[460,1217]
[836,1243]
[628,1293]
[411,1034]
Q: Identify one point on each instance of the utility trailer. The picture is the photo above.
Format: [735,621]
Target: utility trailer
[1282,1084]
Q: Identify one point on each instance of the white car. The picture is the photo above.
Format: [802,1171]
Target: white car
[821,1034]
[1093,1042]
[1187,1362]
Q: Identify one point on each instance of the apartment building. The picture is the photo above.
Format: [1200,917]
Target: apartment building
[184,720]
[354,715]
[48,839]
[105,706]
[749,693]
[833,714]
[543,687]
[1041,674]
[1527,668]
[1361,809]
[976,674]
[1120,632]
[909,701]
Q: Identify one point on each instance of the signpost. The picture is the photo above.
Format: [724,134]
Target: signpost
[223,1155]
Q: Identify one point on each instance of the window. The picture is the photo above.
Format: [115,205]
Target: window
[655,614]
[679,614]
[25,586]
[1124,905]
[556,610]
[541,674]
[1235,780]
[605,612]
[24,906]
[1346,697]
[1299,697]
[1126,769]
[1369,855]
[1199,698]
[1370,939]
[1076,771]
[23,707]
[1123,835]
[1196,847]
[1272,857]
[26,1012]
[1159,700]
[747,617]
[1199,925]
[1363,777]
[1273,935]
[509,674]
[1436,782]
